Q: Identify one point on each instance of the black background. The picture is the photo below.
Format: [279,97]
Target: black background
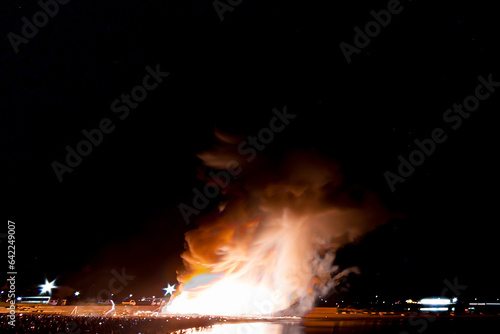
[119,207]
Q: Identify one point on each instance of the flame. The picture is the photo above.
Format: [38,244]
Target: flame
[273,245]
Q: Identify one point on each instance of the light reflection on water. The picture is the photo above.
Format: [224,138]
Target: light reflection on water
[443,325]
[249,328]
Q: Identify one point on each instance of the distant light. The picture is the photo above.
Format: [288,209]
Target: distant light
[77,293]
[18,298]
[455,300]
[434,309]
[130,295]
[47,287]
[435,301]
[170,289]
[376,296]
[154,297]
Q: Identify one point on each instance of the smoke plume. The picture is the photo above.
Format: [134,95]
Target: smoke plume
[270,245]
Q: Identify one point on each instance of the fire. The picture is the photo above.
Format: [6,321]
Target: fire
[273,245]
[227,296]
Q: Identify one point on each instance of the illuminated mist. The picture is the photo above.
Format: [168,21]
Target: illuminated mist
[272,245]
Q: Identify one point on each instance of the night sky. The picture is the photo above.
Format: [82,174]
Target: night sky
[119,207]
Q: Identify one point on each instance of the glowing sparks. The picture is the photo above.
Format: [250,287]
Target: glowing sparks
[47,287]
[112,307]
[170,289]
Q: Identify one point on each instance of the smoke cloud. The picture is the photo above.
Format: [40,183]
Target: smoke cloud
[271,244]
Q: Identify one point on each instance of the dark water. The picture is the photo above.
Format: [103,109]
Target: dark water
[399,326]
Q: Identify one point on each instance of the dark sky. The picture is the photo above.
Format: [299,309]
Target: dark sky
[118,208]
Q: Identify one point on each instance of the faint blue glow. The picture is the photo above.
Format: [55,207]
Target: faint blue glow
[201,280]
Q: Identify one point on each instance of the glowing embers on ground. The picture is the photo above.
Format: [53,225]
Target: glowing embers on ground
[227,296]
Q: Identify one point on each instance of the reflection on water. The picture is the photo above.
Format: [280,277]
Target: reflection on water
[392,326]
[316,327]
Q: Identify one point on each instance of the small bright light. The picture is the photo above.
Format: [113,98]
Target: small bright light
[18,298]
[170,289]
[47,287]
[130,295]
[77,293]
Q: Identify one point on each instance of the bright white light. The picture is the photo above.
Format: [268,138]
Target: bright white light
[434,309]
[47,287]
[435,301]
[170,289]
[219,298]
[77,293]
